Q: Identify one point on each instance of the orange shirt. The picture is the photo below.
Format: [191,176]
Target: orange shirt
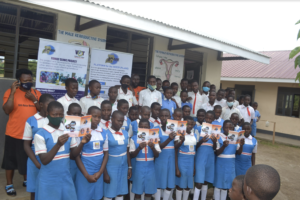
[137,91]
[23,109]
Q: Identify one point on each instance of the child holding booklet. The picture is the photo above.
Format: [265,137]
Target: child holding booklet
[92,162]
[247,159]
[106,111]
[225,162]
[123,106]
[54,149]
[155,109]
[184,160]
[145,114]
[144,180]
[234,118]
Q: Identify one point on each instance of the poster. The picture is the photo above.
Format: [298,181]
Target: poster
[57,62]
[171,127]
[77,126]
[108,67]
[168,66]
[206,129]
[80,39]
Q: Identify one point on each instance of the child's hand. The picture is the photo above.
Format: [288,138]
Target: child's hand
[86,138]
[213,138]
[91,179]
[129,173]
[106,178]
[178,174]
[182,138]
[194,171]
[151,145]
[172,135]
[173,100]
[242,142]
[204,139]
[62,139]
[38,166]
[226,143]
[97,175]
[142,145]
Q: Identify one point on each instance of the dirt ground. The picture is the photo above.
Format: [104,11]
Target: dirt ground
[285,159]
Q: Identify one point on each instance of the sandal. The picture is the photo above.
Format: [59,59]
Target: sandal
[10,190]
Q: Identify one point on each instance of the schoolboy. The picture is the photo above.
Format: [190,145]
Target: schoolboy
[205,91]
[213,87]
[167,100]
[246,110]
[184,99]
[186,110]
[256,119]
[236,191]
[195,99]
[211,103]
[235,121]
[241,99]
[123,106]
[69,97]
[176,98]
[229,109]
[183,86]
[150,95]
[106,112]
[220,98]
[113,94]
[159,85]
[135,81]
[133,113]
[93,98]
[235,102]
[155,109]
[200,117]
[125,93]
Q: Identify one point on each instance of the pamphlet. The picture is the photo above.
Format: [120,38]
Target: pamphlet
[235,137]
[241,136]
[77,126]
[206,129]
[172,126]
[148,135]
[154,135]
[181,130]
[216,130]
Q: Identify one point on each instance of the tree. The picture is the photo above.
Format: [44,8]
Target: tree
[294,52]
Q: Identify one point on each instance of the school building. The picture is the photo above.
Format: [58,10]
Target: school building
[273,86]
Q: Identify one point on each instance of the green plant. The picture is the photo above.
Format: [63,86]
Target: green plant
[294,52]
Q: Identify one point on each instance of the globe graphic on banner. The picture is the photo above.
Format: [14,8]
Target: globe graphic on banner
[51,51]
[115,60]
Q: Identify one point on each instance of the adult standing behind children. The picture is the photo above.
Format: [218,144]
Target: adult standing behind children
[150,95]
[195,99]
[246,110]
[19,102]
[135,82]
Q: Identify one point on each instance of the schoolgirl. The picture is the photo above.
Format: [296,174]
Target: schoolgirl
[123,106]
[106,111]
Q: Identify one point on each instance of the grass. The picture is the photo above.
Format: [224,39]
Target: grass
[276,145]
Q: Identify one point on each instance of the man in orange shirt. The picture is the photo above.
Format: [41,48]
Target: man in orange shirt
[19,102]
[135,81]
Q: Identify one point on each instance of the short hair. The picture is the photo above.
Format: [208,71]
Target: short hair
[235,114]
[54,104]
[93,108]
[165,110]
[69,81]
[212,85]
[178,110]
[167,88]
[247,95]
[210,112]
[264,181]
[144,121]
[23,71]
[217,107]
[158,79]
[113,87]
[202,110]
[246,124]
[227,89]
[184,79]
[255,103]
[231,90]
[121,102]
[149,77]
[188,118]
[125,76]
[174,84]
[183,91]
[193,81]
[166,81]
[227,122]
[206,82]
[117,113]
[230,96]
[92,82]
[241,97]
[45,98]
[145,108]
[133,108]
[240,180]
[154,104]
[105,102]
[74,105]
[185,106]
[221,90]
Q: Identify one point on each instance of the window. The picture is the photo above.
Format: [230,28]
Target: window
[288,102]
[139,45]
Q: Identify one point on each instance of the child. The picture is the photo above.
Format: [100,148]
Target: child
[93,98]
[33,124]
[200,117]
[158,85]
[176,98]
[225,162]
[236,192]
[106,109]
[165,163]
[205,91]
[183,86]
[220,98]
[184,161]
[155,109]
[167,102]
[113,94]
[144,180]
[205,160]
[125,93]
[232,93]
[72,89]
[177,115]
[145,114]
[195,99]
[241,100]
[92,162]
[212,87]
[133,113]
[184,99]
[150,95]
[229,109]
[211,103]
[235,120]
[165,84]
[135,82]
[257,188]
[186,111]
[55,149]
[256,119]
[246,110]
[247,159]
[123,106]
[218,120]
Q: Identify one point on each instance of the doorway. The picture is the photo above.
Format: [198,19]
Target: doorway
[193,65]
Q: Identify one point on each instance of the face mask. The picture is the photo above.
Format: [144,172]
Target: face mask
[124,86]
[26,86]
[229,104]
[151,87]
[55,120]
[205,89]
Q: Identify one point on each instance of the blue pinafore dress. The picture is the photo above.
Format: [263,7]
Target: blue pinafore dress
[225,165]
[243,162]
[117,166]
[126,124]
[165,163]
[186,157]
[144,180]
[92,157]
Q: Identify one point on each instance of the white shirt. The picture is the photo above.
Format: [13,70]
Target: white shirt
[227,112]
[154,121]
[221,103]
[87,102]
[198,103]
[244,112]
[96,136]
[147,97]
[114,107]
[236,103]
[41,121]
[132,147]
[103,122]
[66,101]
[178,100]
[207,106]
[249,141]
[205,98]
[129,97]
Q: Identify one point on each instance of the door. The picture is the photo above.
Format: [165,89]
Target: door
[192,71]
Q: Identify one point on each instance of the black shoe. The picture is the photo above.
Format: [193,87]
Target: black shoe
[10,190]
[24,183]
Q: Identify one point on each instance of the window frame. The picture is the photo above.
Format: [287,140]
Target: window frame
[286,91]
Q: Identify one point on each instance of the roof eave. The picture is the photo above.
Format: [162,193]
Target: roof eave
[267,80]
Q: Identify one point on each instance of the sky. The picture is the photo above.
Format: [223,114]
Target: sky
[257,25]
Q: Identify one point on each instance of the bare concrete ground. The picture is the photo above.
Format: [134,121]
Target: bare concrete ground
[285,159]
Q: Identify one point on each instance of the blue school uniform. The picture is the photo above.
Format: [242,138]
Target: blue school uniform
[253,126]
[33,124]
[135,126]
[188,104]
[165,163]
[126,124]
[186,156]
[238,128]
[225,165]
[54,180]
[73,165]
[92,157]
[168,104]
[117,166]
[144,180]
[244,161]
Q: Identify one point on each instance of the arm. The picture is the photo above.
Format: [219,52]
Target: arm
[178,174]
[253,159]
[221,149]
[129,164]
[134,154]
[240,150]
[9,105]
[179,142]
[33,98]
[155,152]
[81,167]
[76,150]
[251,122]
[165,143]
[203,140]
[103,165]
[30,153]
[177,106]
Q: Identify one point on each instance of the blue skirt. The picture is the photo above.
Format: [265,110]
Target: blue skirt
[242,164]
[186,168]
[165,169]
[73,169]
[133,163]
[253,131]
[205,165]
[224,172]
[32,173]
[144,180]
[117,169]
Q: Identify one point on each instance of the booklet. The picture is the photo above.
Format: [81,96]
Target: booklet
[171,126]
[206,129]
[181,130]
[241,135]
[77,126]
[154,135]
[216,130]
[148,135]
[235,137]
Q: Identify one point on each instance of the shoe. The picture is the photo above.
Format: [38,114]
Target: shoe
[10,190]
[24,183]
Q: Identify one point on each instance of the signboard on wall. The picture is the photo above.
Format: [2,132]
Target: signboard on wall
[168,66]
[58,61]
[80,39]
[108,67]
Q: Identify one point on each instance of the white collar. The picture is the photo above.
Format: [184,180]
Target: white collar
[113,131]
[122,92]
[197,123]
[246,106]
[99,129]
[219,119]
[89,96]
[167,99]
[51,129]
[249,138]
[125,118]
[153,120]
[37,116]
[104,121]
